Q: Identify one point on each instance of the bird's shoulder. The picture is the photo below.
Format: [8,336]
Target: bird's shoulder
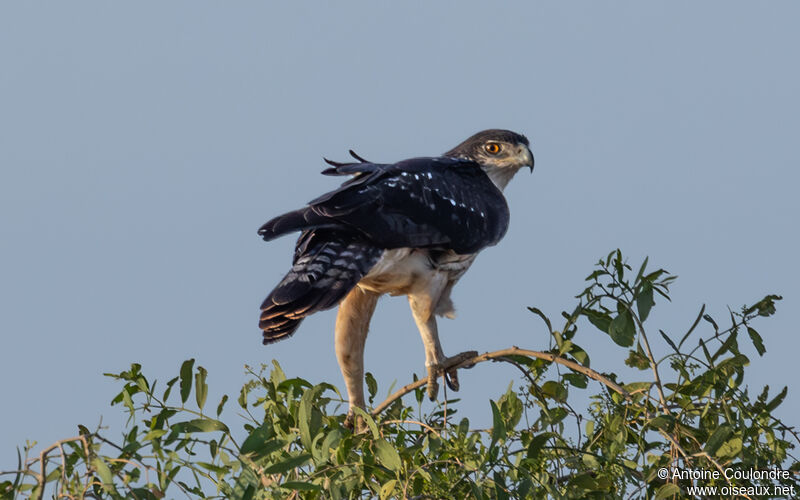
[368,176]
[420,202]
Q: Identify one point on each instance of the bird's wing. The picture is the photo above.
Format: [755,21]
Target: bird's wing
[422,202]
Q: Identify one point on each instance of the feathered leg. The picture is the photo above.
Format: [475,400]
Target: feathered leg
[352,324]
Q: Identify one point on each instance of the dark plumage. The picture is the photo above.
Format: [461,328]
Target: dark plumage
[421,203]
[327,264]
[408,228]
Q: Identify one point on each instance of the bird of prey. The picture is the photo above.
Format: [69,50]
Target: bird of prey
[408,228]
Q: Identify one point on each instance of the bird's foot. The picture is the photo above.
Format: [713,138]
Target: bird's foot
[349,420]
[447,368]
[355,423]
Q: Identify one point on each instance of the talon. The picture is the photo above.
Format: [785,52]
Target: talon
[451,378]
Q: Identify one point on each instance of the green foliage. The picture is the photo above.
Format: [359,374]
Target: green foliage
[692,411]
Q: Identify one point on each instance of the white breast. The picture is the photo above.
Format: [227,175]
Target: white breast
[403,271]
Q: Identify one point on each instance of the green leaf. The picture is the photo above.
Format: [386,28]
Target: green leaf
[372,386]
[580,355]
[731,448]
[599,319]
[711,320]
[186,379]
[419,393]
[511,407]
[387,455]
[619,266]
[331,441]
[536,444]
[622,329]
[266,448]
[154,434]
[301,486]
[258,439]
[217,469]
[105,475]
[590,461]
[765,306]
[635,387]
[538,312]
[242,399]
[719,436]
[705,352]
[655,275]
[296,385]
[245,486]
[368,420]
[126,399]
[662,422]
[637,360]
[669,341]
[641,271]
[288,464]
[644,301]
[554,390]
[758,342]
[304,419]
[169,388]
[102,471]
[777,400]
[578,380]
[200,425]
[498,426]
[221,404]
[200,387]
[700,315]
[276,375]
[388,489]
[668,490]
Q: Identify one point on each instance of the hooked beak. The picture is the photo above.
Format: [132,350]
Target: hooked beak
[528,159]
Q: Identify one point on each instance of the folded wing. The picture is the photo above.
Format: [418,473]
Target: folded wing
[420,203]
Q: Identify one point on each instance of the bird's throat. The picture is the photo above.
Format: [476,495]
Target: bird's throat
[501,176]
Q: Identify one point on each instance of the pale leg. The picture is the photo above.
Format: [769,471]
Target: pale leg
[352,323]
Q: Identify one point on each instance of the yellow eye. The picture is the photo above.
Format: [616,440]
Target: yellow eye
[492,148]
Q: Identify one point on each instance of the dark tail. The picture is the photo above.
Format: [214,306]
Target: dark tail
[296,220]
[327,265]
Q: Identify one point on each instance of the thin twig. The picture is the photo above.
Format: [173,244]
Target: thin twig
[462,361]
[41,476]
[416,422]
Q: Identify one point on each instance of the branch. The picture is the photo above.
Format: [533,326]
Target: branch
[41,477]
[468,359]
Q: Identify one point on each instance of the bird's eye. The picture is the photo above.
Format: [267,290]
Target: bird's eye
[492,148]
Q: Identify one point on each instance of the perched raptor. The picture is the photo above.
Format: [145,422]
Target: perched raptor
[408,228]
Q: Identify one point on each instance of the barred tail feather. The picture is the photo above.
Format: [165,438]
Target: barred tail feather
[326,267]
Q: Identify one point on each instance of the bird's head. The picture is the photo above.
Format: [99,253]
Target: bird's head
[501,153]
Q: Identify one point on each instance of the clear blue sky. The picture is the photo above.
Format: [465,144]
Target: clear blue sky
[143,144]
